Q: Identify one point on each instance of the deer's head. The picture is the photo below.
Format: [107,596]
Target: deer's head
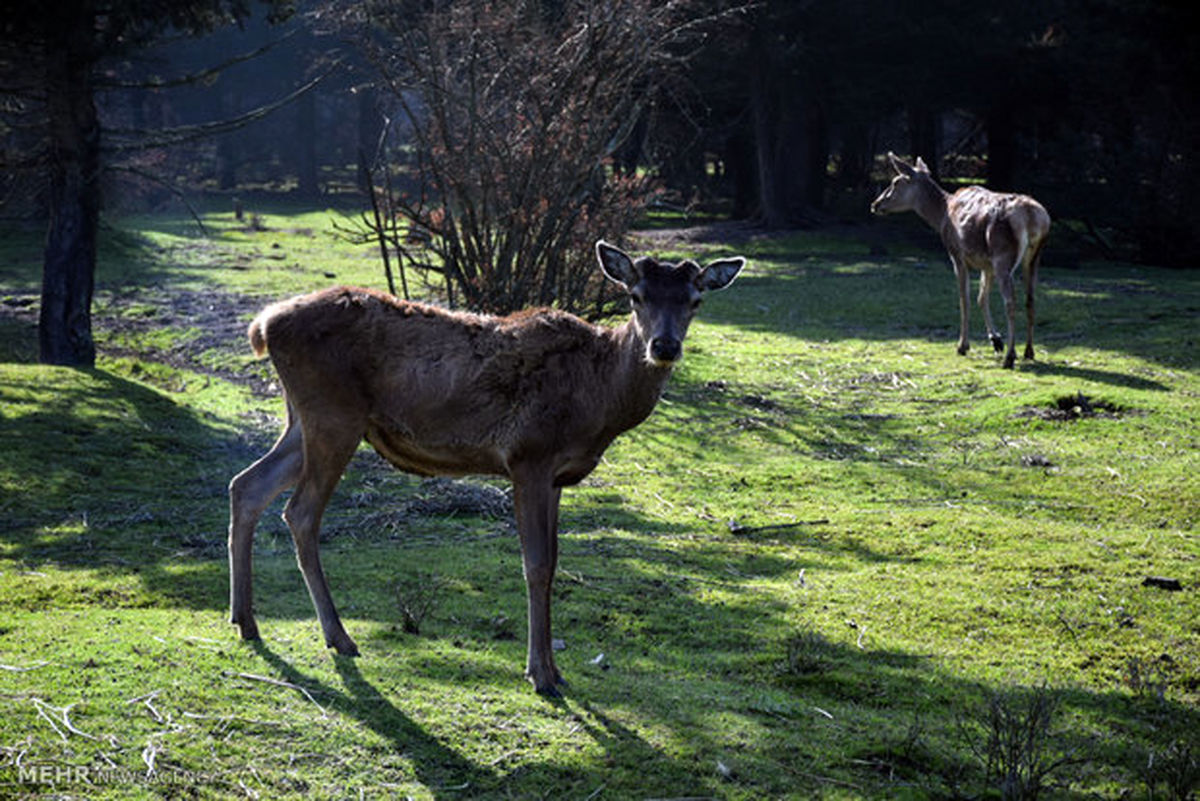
[664,295]
[904,192]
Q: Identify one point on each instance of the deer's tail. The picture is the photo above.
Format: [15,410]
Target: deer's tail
[257,332]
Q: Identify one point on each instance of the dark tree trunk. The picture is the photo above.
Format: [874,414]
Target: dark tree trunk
[227,162]
[68,272]
[1002,148]
[370,126]
[855,170]
[923,136]
[816,157]
[739,169]
[772,206]
[306,144]
[791,147]
[228,145]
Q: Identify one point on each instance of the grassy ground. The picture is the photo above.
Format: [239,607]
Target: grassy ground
[839,560]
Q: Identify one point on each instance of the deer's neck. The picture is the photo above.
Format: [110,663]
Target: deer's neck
[635,384]
[932,204]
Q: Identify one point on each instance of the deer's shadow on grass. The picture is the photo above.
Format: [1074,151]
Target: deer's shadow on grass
[1095,375]
[440,769]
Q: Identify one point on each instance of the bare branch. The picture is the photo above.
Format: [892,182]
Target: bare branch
[166,137]
[195,77]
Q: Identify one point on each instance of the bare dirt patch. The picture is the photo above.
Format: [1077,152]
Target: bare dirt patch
[218,319]
[1068,408]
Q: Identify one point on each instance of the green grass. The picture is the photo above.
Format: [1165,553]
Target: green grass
[833,545]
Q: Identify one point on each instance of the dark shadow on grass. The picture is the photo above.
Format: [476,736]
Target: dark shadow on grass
[116,477]
[1094,374]
[442,770]
[18,335]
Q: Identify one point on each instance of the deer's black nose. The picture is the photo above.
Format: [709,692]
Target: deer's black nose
[665,349]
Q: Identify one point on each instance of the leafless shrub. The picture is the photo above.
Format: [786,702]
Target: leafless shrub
[1147,679]
[1011,735]
[417,599]
[1173,768]
[502,176]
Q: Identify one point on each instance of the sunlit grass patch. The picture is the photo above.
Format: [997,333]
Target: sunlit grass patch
[804,576]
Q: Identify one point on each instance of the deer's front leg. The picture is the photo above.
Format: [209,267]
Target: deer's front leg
[536,505]
[964,305]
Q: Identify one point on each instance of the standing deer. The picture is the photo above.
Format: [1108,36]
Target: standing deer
[992,232]
[536,396]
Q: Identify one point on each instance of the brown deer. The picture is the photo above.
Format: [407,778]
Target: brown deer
[992,232]
[536,396]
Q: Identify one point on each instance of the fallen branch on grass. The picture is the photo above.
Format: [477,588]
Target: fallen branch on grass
[147,700]
[19,669]
[737,528]
[63,714]
[288,684]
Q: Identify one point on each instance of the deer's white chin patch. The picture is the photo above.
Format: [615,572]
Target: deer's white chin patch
[661,363]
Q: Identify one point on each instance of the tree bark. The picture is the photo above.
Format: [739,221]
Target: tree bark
[69,266]
[1002,148]
[370,125]
[923,136]
[306,145]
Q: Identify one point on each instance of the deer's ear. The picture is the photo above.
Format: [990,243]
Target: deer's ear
[616,264]
[922,166]
[900,165]
[719,274]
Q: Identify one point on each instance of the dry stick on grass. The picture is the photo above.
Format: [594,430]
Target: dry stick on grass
[147,700]
[288,684]
[63,713]
[19,669]
[737,528]
[149,754]
[224,721]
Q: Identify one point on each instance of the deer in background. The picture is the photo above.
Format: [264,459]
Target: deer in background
[992,232]
[536,397]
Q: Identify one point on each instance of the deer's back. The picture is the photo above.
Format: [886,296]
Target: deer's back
[440,391]
[980,220]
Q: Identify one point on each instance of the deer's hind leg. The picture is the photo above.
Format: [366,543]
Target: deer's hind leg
[1003,267]
[1031,270]
[985,292]
[328,445]
[250,492]
[963,276]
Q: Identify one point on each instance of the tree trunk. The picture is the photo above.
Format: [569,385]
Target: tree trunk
[771,207]
[816,156]
[306,144]
[68,271]
[228,144]
[923,136]
[739,168]
[1002,148]
[370,126]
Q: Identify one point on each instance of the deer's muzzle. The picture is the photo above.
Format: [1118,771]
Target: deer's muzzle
[665,350]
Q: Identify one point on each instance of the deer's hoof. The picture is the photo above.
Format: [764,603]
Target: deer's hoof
[1009,361]
[963,347]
